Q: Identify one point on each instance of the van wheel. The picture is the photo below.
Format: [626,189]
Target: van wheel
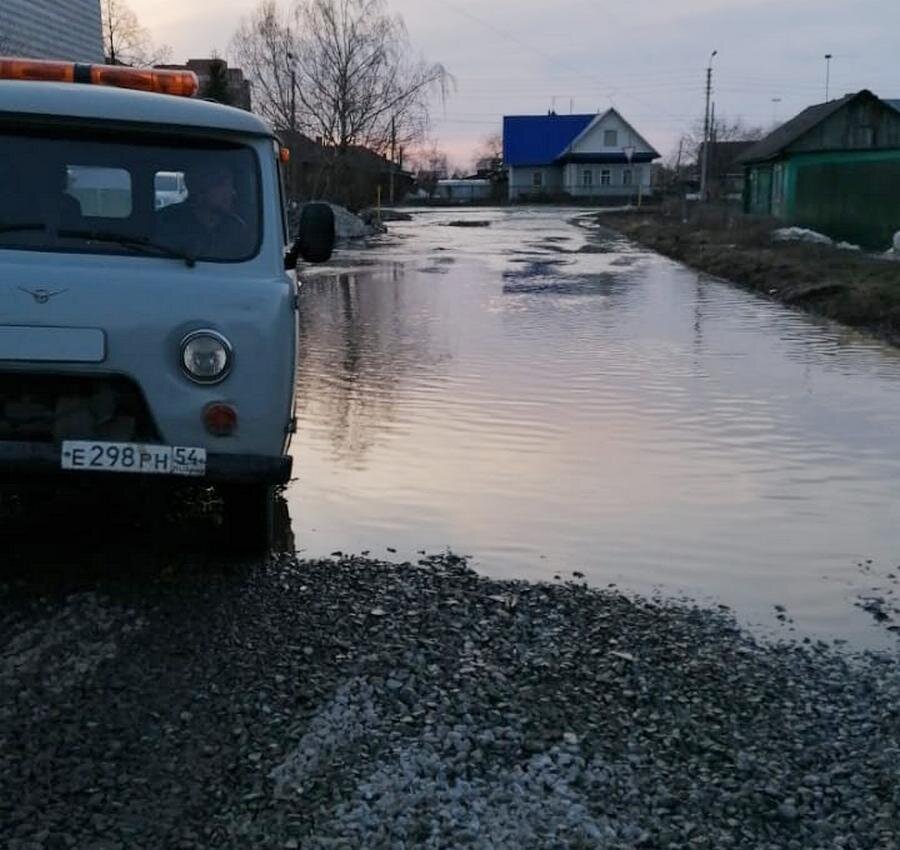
[249,517]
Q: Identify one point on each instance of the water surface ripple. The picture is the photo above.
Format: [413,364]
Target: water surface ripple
[549,398]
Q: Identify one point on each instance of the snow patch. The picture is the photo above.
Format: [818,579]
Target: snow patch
[894,253]
[347,225]
[801,234]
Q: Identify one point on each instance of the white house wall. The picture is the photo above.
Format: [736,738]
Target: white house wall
[52,29]
[521,181]
[569,179]
[593,140]
[574,182]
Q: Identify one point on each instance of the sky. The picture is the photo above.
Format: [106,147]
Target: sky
[647,58]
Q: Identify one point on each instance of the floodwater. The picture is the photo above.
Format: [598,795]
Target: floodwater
[549,399]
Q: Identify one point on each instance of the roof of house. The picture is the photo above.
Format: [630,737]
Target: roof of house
[788,133]
[893,103]
[540,139]
[532,140]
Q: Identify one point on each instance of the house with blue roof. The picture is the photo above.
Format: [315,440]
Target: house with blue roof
[581,156]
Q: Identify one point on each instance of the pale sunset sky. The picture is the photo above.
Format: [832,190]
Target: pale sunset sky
[645,57]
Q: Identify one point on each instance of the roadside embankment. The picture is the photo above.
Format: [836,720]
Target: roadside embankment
[852,287]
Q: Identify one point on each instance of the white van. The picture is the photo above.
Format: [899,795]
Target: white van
[147,286]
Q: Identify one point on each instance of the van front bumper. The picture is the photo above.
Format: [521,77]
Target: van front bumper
[21,459]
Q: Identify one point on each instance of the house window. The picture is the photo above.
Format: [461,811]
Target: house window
[537,179]
[865,137]
[610,138]
[605,177]
[587,178]
[626,177]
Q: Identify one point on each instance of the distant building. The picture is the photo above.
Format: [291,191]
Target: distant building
[725,172]
[51,29]
[463,190]
[238,87]
[578,156]
[834,168]
[356,177]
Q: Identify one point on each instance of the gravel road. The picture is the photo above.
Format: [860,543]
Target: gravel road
[352,703]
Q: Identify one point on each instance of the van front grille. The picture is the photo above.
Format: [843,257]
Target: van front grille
[52,408]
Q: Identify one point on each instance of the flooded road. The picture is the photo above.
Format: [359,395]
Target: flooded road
[550,399]
[553,402]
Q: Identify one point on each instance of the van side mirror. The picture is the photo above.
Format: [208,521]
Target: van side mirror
[315,236]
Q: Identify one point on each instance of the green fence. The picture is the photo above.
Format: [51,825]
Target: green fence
[856,200]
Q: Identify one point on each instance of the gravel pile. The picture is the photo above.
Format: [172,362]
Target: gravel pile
[352,703]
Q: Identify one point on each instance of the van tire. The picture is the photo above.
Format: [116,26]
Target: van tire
[248,513]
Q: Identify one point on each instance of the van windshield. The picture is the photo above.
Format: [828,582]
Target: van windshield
[66,192]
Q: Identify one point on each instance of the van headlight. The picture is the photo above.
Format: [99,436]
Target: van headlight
[206,356]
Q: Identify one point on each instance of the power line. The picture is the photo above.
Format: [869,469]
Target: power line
[609,93]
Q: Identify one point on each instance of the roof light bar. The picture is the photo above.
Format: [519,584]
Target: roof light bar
[179,83]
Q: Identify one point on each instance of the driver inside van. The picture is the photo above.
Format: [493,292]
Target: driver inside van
[206,225]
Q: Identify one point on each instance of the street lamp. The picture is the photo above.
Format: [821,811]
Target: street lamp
[828,58]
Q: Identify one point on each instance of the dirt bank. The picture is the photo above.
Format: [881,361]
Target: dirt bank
[849,286]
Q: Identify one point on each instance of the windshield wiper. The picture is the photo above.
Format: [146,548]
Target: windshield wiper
[146,246]
[22,225]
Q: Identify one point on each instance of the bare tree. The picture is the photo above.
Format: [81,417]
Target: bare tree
[429,164]
[264,46]
[218,86]
[125,41]
[721,130]
[489,154]
[340,70]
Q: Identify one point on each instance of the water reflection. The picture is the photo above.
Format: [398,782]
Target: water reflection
[77,533]
[360,335]
[557,399]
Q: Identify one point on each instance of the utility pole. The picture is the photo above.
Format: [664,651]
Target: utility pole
[705,157]
[290,58]
[393,153]
[293,99]
[711,157]
[827,75]
[677,175]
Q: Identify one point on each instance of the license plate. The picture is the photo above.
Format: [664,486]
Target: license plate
[89,456]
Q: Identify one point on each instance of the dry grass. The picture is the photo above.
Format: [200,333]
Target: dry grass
[854,288]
